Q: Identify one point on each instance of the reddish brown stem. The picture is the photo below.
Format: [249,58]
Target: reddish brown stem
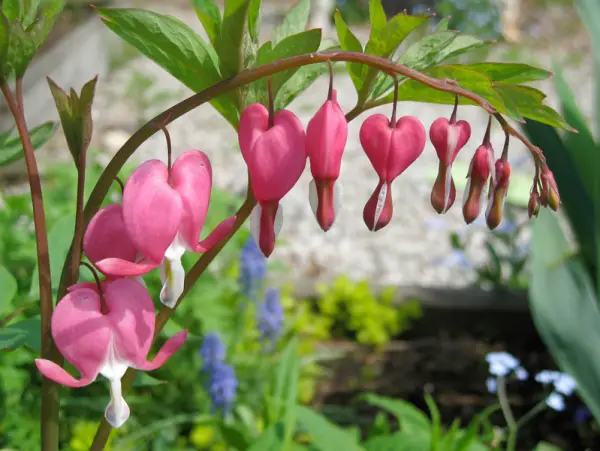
[50,397]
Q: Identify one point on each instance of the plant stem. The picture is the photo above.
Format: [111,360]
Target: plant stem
[508,415]
[535,410]
[50,397]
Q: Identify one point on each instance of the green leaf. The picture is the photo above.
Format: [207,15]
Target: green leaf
[286,388]
[400,441]
[430,51]
[12,9]
[564,308]
[581,146]
[76,116]
[254,19]
[229,48]
[378,19]
[59,242]
[233,436]
[350,43]
[410,419]
[397,30]
[436,422]
[26,332]
[270,440]
[294,22]
[443,24]
[143,379]
[297,44]
[575,199]
[11,148]
[175,47]
[302,79]
[511,73]
[8,290]
[210,16]
[545,446]
[4,39]
[325,435]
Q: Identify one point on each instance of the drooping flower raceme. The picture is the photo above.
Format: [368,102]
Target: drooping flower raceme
[274,149]
[106,343]
[270,318]
[253,269]
[326,137]
[162,216]
[221,383]
[564,385]
[482,166]
[391,146]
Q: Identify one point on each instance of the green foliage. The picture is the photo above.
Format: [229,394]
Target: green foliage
[356,308]
[11,149]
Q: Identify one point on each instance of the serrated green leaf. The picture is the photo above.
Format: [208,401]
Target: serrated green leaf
[350,43]
[210,17]
[297,44]
[233,28]
[511,73]
[569,329]
[175,47]
[410,419]
[11,148]
[26,332]
[324,434]
[8,290]
[294,22]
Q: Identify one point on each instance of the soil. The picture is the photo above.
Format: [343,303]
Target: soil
[450,364]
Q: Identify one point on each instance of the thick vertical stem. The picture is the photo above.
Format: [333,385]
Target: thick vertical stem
[50,397]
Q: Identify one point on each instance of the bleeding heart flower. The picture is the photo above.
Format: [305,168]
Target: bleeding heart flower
[391,147]
[326,137]
[533,206]
[549,196]
[497,194]
[448,137]
[276,157]
[481,166]
[161,217]
[106,343]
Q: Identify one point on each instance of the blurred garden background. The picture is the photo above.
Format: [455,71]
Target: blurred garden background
[412,309]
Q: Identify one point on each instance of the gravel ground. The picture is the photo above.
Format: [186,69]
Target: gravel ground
[414,249]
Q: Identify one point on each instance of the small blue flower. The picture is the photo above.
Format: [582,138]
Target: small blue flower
[565,384]
[253,269]
[492,384]
[521,373]
[212,351]
[547,376]
[270,317]
[556,401]
[502,363]
[222,387]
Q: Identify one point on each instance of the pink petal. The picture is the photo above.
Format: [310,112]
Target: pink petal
[131,315]
[152,210]
[221,232]
[123,268]
[254,121]
[81,332]
[166,351]
[277,158]
[58,374]
[106,236]
[448,139]
[375,138]
[407,144]
[191,176]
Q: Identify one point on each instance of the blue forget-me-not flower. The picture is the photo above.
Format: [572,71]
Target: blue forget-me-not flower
[502,364]
[221,382]
[564,385]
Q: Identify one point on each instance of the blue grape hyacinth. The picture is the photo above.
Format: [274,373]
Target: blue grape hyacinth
[270,318]
[253,269]
[221,382]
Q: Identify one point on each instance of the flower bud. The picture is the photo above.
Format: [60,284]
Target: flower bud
[326,137]
[498,192]
[549,196]
[479,172]
[391,147]
[533,207]
[448,138]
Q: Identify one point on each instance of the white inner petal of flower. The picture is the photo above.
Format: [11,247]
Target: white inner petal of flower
[447,184]
[338,197]
[113,369]
[380,203]
[452,141]
[172,273]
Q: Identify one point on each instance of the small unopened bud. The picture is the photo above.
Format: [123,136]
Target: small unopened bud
[443,193]
[498,192]
[533,207]
[479,172]
[549,196]
[379,208]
